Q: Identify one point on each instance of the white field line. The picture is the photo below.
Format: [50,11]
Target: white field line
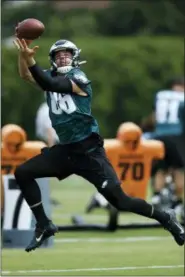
[92,269]
[93,240]
[87,217]
[113,240]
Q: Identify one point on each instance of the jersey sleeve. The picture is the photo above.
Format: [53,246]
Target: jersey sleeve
[181,116]
[81,80]
[181,111]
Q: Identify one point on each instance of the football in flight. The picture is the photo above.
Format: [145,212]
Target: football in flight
[30,28]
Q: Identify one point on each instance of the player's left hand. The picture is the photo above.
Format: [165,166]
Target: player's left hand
[26,52]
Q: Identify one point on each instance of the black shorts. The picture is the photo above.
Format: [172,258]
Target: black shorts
[86,158]
[174,153]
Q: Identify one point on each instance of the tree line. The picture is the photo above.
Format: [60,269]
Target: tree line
[125,72]
[136,17]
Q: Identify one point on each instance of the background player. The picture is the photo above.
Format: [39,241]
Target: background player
[80,151]
[168,128]
[44,130]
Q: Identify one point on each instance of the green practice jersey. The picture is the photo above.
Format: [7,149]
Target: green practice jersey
[70,113]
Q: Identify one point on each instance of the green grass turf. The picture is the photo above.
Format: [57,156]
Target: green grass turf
[109,254]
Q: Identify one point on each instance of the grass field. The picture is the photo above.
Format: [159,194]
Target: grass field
[125,252]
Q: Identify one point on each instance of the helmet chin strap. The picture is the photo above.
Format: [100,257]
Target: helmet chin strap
[64,69]
[67,68]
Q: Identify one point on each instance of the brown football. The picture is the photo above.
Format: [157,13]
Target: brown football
[30,28]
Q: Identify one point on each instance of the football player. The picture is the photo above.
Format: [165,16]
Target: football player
[168,128]
[182,120]
[80,151]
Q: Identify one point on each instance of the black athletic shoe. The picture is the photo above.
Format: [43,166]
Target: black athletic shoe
[40,235]
[175,228]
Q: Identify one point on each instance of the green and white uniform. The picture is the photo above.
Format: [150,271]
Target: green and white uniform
[70,113]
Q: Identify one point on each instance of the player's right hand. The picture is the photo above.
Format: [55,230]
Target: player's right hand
[28,41]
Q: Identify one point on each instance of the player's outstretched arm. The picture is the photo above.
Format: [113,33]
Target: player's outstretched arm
[22,65]
[58,84]
[24,70]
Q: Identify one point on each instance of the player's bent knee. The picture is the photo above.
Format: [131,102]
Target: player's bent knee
[21,173]
[18,173]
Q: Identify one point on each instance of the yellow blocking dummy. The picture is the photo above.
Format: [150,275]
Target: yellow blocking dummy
[132,158]
[15,149]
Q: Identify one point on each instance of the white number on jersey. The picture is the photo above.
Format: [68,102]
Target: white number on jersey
[62,103]
[167,107]
[167,112]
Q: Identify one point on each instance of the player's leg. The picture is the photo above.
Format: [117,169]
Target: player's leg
[52,162]
[174,146]
[96,168]
[160,169]
[159,174]
[178,164]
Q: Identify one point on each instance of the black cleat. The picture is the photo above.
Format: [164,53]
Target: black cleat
[175,228]
[41,234]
